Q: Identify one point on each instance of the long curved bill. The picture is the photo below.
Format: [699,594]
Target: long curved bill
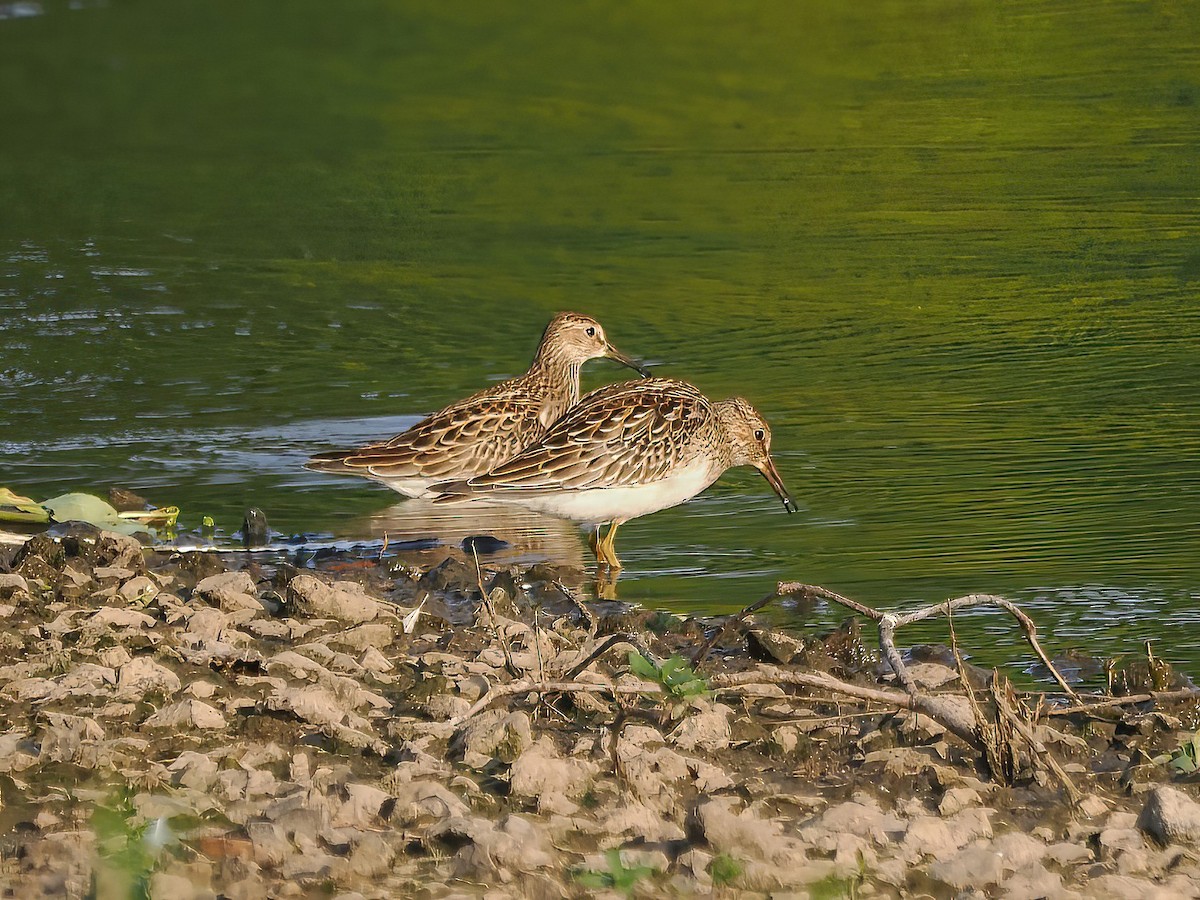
[772,475]
[614,353]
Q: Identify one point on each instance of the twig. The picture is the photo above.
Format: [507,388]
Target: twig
[1041,755]
[588,615]
[938,707]
[487,605]
[889,622]
[1132,699]
[550,687]
[730,622]
[600,649]
[816,592]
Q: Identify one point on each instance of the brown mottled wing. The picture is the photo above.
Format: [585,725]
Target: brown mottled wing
[466,438]
[623,434]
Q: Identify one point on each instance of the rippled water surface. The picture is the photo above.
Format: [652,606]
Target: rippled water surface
[951,251]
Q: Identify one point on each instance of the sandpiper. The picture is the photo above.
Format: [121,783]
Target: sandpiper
[475,435]
[625,451]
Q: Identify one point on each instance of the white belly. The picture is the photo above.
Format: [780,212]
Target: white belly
[411,487]
[607,504]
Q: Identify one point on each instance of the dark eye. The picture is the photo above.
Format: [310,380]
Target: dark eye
[591,332]
[759,435]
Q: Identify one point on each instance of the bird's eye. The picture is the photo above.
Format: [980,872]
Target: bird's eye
[759,434]
[591,332]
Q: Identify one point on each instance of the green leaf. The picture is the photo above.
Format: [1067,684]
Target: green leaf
[640,665]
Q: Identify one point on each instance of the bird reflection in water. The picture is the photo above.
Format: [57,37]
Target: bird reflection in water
[424,533]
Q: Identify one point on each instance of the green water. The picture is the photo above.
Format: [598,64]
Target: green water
[951,250]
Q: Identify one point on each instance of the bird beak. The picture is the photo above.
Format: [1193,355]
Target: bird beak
[772,475]
[613,353]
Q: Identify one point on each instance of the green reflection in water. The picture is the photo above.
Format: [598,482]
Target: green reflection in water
[949,249]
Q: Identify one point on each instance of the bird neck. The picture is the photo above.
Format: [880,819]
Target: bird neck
[558,377]
[725,414]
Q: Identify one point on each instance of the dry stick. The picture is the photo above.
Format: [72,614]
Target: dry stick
[889,622]
[988,735]
[1158,696]
[601,648]
[729,623]
[550,687]
[939,708]
[1040,753]
[787,588]
[487,605]
[588,615]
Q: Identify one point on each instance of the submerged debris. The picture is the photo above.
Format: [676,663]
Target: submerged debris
[187,730]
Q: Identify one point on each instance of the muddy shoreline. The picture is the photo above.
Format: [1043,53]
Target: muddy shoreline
[200,725]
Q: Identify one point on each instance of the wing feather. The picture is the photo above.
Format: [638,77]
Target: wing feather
[623,434]
[473,435]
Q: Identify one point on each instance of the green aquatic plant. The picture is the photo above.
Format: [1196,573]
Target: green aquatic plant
[834,887]
[674,675]
[617,877]
[1185,759]
[128,851]
[725,869]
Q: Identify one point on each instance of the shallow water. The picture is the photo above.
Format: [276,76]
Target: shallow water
[951,251]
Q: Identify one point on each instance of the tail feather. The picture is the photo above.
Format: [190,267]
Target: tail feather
[333,461]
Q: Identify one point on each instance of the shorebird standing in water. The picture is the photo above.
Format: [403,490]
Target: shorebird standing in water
[625,451]
[477,434]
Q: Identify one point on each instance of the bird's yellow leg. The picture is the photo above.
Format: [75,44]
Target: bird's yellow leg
[594,543]
[607,546]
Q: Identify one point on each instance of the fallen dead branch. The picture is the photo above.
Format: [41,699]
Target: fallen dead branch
[1130,700]
[890,622]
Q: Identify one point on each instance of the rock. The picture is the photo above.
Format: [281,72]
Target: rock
[197,771]
[1036,881]
[540,772]
[361,807]
[1018,850]
[142,675]
[13,586]
[931,676]
[513,846]
[117,617]
[229,591]
[346,601]
[374,661]
[976,866]
[972,823]
[378,635]
[416,801]
[1170,816]
[1117,840]
[863,818]
[653,774]
[1093,805]
[773,646]
[1128,888]
[270,842]
[186,713]
[957,799]
[1068,854]
[931,836]
[140,590]
[177,887]
[742,834]
[706,729]
[453,574]
[371,857]
[494,734]
[317,705]
[642,822]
